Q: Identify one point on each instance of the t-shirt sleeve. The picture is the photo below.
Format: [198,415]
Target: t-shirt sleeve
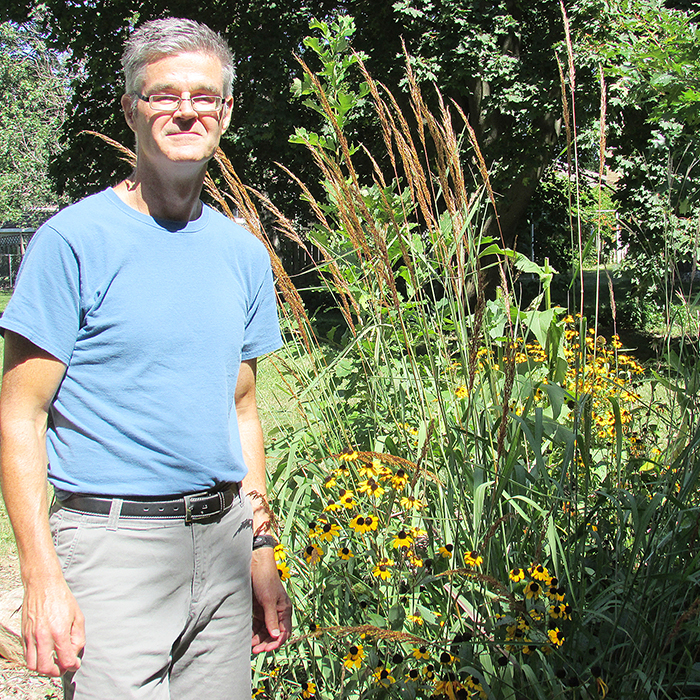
[262,330]
[45,304]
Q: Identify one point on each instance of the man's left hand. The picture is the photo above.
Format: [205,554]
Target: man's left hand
[272,609]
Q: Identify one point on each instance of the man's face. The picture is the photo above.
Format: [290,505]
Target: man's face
[183,136]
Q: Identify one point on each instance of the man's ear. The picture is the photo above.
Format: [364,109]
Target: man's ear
[226,116]
[129,107]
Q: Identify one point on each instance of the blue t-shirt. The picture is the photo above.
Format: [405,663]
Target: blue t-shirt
[152,319]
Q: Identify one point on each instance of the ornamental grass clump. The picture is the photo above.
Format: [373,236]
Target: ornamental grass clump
[475,499]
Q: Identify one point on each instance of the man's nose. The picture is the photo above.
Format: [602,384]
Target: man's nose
[185,110]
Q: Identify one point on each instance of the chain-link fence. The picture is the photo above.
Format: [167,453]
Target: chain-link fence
[13,243]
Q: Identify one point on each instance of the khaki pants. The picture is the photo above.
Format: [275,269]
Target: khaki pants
[167,606]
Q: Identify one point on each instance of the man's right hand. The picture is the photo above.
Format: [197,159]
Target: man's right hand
[53,628]
[52,624]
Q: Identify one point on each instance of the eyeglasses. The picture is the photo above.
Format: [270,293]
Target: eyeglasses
[202,104]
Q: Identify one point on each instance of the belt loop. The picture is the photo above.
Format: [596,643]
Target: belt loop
[188,508]
[115,511]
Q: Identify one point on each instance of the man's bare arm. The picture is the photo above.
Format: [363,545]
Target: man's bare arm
[52,624]
[272,615]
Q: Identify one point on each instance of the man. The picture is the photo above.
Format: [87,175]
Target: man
[130,357]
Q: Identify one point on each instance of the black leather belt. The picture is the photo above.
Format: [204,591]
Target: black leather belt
[191,507]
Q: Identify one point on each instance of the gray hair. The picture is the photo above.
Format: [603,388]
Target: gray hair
[168,37]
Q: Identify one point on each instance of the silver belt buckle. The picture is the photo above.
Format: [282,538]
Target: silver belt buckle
[207,512]
[191,517]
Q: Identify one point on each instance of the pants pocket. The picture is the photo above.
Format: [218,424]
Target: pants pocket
[66,536]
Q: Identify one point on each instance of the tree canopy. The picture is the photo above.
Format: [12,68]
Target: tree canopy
[495,61]
[33,83]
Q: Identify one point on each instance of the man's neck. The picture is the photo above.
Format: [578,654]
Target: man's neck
[163,195]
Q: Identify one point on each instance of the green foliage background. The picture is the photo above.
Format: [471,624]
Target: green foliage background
[33,84]
[562,477]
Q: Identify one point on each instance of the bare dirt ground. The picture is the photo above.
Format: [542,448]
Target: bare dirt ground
[16,681]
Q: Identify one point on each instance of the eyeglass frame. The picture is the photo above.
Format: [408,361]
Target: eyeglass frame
[180,99]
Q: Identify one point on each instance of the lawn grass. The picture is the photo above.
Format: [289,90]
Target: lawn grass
[7,540]
[4,299]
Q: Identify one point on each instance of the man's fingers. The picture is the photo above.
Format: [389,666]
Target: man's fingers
[77,633]
[53,634]
[272,621]
[67,655]
[44,659]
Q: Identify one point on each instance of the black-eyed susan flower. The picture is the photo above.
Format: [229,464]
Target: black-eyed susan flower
[415,561]
[348,455]
[353,659]
[420,653]
[327,532]
[415,619]
[313,554]
[347,499]
[345,553]
[308,690]
[280,553]
[556,637]
[448,686]
[330,481]
[539,573]
[516,575]
[601,685]
[368,471]
[428,672]
[523,623]
[472,559]
[411,503]
[371,523]
[556,611]
[473,683]
[402,539]
[358,524]
[382,675]
[371,488]
[399,479]
[313,524]
[258,692]
[283,570]
[413,675]
[461,392]
[446,551]
[533,590]
[446,659]
[382,569]
[331,506]
[416,532]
